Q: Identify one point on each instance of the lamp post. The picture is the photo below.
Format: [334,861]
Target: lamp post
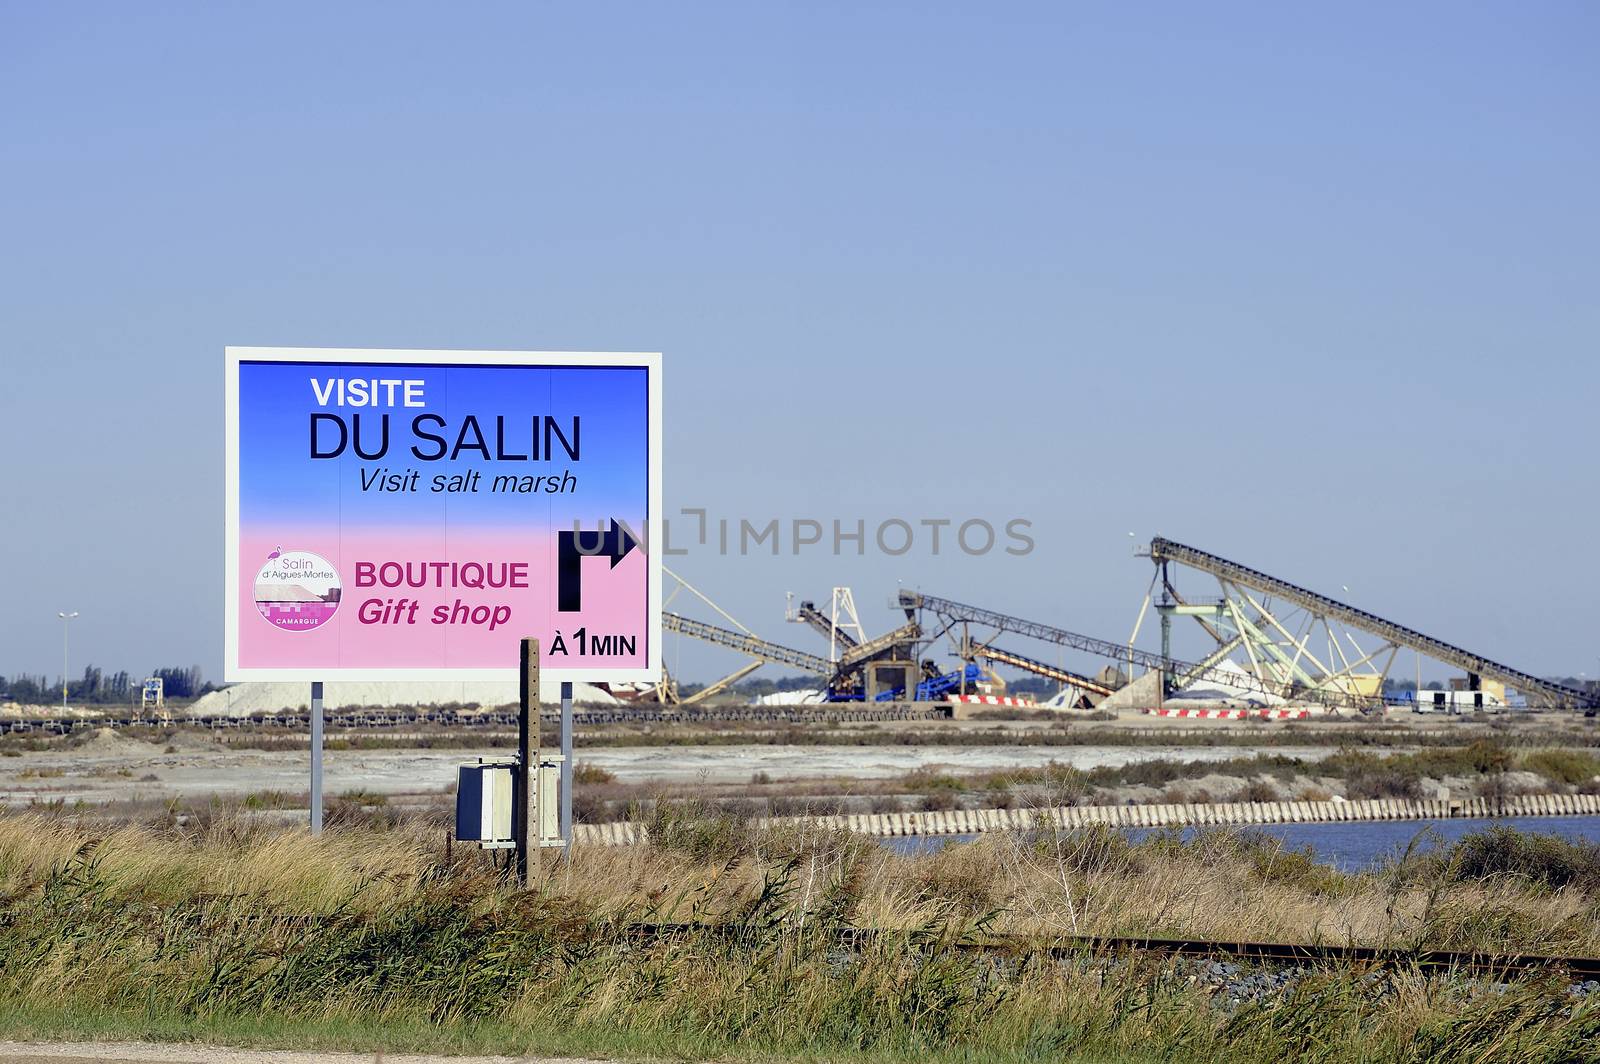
[66,619]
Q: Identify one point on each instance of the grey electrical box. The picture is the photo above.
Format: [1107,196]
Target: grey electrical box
[547,802]
[485,800]
[486,804]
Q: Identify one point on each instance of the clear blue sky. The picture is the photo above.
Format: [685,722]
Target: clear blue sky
[1313,287]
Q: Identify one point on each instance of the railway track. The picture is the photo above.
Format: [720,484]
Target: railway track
[1278,954]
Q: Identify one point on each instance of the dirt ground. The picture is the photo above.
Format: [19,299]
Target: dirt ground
[191,763]
[114,767]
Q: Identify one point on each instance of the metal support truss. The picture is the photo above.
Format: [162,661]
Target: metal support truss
[1284,654]
[1281,660]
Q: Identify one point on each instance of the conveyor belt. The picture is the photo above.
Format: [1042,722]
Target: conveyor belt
[1165,550]
[879,646]
[809,613]
[1040,668]
[747,644]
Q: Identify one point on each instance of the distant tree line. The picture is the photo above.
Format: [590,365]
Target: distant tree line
[755,688]
[1037,686]
[96,687]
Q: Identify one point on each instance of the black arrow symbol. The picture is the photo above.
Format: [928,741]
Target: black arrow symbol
[572,547]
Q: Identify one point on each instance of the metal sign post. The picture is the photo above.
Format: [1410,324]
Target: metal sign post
[566,769]
[316,757]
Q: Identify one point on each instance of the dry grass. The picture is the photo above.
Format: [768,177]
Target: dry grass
[232,920]
[1500,891]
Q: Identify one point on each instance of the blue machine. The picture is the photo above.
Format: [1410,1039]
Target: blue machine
[927,691]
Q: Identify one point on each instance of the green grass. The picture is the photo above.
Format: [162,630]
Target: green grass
[483,1038]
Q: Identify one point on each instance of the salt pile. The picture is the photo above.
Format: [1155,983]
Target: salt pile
[793,698]
[256,697]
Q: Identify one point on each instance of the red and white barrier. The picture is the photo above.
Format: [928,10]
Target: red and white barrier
[993,700]
[1233,714]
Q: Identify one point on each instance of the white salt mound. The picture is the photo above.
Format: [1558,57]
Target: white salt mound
[793,698]
[244,698]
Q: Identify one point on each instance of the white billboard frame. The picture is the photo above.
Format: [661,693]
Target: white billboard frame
[649,361]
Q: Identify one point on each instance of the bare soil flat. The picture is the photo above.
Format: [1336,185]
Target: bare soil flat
[112,767]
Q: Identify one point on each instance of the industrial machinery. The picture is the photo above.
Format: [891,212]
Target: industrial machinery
[1300,644]
[951,614]
[1271,641]
[863,669]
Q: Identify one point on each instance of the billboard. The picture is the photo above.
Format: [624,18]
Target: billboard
[396,515]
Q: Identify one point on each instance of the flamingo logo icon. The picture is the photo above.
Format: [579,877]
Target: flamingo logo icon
[297,590]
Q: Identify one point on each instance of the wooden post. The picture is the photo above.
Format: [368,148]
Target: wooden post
[525,821]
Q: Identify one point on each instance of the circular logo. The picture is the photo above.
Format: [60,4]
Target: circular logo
[297,590]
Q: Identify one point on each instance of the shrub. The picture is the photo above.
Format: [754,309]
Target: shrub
[744,808]
[1064,784]
[1259,790]
[927,780]
[963,877]
[698,830]
[1370,776]
[1497,788]
[1541,859]
[1563,766]
[586,773]
[1094,849]
[590,808]
[271,800]
[347,812]
[1155,773]
[1271,861]
[1478,758]
[1383,783]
